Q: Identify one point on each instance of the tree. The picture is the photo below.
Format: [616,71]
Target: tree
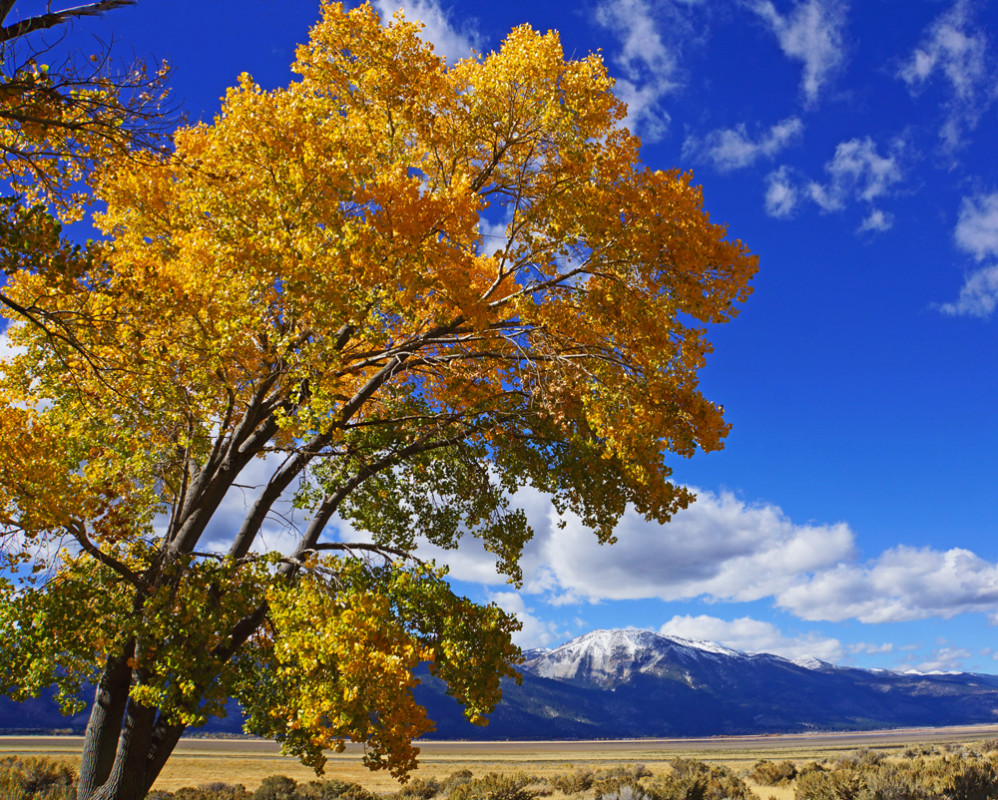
[312,288]
[61,116]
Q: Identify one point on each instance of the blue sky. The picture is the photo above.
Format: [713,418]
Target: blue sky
[853,514]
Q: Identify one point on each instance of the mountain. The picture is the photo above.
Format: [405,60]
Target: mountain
[635,683]
[631,683]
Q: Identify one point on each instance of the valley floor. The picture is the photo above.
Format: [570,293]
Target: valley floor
[248,761]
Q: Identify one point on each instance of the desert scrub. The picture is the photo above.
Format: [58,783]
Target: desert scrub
[843,783]
[36,779]
[457,778]
[690,779]
[209,791]
[575,782]
[420,789]
[496,787]
[773,773]
[275,787]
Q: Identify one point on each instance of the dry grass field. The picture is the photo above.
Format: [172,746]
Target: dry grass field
[248,761]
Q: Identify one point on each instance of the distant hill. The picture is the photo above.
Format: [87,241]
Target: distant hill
[635,683]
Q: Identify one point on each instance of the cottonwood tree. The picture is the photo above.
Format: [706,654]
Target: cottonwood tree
[61,115]
[401,291]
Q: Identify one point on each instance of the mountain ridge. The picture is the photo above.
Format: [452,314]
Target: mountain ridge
[634,683]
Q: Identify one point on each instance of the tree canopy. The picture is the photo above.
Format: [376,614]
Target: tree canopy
[399,290]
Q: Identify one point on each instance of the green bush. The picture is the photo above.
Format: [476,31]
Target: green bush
[36,779]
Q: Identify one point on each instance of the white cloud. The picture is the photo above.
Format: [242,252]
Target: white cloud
[955,50]
[868,649]
[903,583]
[978,295]
[945,659]
[977,233]
[535,631]
[447,40]
[649,67]
[977,226]
[781,193]
[754,636]
[857,171]
[812,34]
[723,549]
[877,220]
[720,547]
[733,148]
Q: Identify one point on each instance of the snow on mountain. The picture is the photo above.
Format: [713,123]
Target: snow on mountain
[609,657]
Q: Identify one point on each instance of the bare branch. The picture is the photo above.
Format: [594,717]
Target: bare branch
[50,20]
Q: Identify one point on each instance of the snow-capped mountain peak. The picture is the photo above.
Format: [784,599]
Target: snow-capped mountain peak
[607,658]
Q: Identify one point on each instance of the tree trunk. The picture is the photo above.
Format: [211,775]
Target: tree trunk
[126,745]
[143,749]
[104,726]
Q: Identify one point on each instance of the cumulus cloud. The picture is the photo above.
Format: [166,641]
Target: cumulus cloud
[754,636]
[447,40]
[811,34]
[954,49]
[944,659]
[720,547]
[977,234]
[734,148]
[857,171]
[535,631]
[978,295]
[878,221]
[781,193]
[977,226]
[649,67]
[902,584]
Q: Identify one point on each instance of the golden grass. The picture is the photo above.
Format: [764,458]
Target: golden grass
[245,761]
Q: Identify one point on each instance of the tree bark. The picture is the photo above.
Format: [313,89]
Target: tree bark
[104,726]
[128,777]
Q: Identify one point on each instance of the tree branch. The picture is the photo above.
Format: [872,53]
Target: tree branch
[44,21]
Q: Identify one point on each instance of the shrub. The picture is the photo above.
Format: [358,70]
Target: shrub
[334,789]
[420,789]
[36,779]
[961,778]
[495,787]
[773,773]
[455,779]
[209,791]
[691,779]
[575,782]
[626,791]
[895,781]
[840,784]
[277,787]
